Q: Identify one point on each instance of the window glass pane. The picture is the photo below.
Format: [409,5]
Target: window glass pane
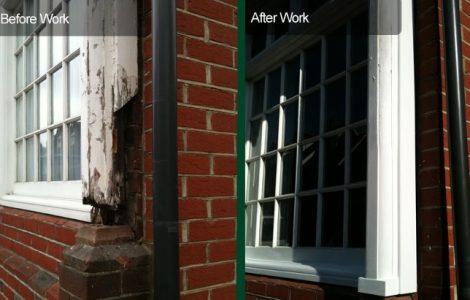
[19,72]
[359,95]
[292,77]
[332,220]
[290,131]
[270,176]
[336,52]
[335,104]
[267,223]
[57,97]
[359,36]
[286,215]
[57,44]
[258,97]
[334,160]
[74,87]
[43,65]
[288,171]
[307,221]
[311,117]
[43,104]
[253,180]
[258,40]
[312,66]
[309,175]
[57,154]
[29,63]
[250,219]
[19,162]
[274,88]
[74,151]
[19,118]
[255,138]
[273,127]
[42,161]
[30,159]
[30,111]
[357,218]
[358,154]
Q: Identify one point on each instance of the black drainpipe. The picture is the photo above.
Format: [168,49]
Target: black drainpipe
[458,145]
[165,194]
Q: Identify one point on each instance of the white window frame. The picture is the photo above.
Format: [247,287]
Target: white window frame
[387,266]
[60,198]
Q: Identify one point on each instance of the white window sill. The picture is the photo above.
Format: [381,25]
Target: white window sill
[333,266]
[62,199]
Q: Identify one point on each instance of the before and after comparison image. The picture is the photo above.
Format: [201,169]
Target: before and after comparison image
[235,149]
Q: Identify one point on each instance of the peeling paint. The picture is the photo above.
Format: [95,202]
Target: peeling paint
[111,80]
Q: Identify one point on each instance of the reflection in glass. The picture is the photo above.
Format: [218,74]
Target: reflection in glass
[253,180]
[19,72]
[267,223]
[334,160]
[292,78]
[19,162]
[357,218]
[359,95]
[29,63]
[30,159]
[358,154]
[270,176]
[308,221]
[273,127]
[74,151]
[19,117]
[336,52]
[43,104]
[274,88]
[255,138]
[309,166]
[57,154]
[30,126]
[250,218]
[288,171]
[311,117]
[312,66]
[335,104]
[290,130]
[332,216]
[42,161]
[74,87]
[43,52]
[57,97]
[258,97]
[286,215]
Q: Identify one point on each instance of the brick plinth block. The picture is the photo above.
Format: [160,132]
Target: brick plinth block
[106,262]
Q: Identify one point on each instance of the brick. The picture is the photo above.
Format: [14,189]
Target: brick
[189,163]
[223,34]
[189,24]
[147,47]
[201,295]
[224,77]
[42,281]
[223,250]
[224,122]
[205,51]
[191,117]
[226,292]
[208,275]
[224,208]
[210,142]
[191,70]
[192,254]
[210,186]
[225,165]
[210,97]
[192,209]
[211,230]
[212,9]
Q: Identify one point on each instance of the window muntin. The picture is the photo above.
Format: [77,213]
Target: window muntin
[307,158]
[47,99]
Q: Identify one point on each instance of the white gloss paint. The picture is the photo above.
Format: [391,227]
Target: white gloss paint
[391,266]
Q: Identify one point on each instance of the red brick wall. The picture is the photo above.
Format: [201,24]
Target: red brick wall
[31,247]
[207,83]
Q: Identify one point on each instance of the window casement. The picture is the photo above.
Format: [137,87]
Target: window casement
[330,152]
[59,117]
